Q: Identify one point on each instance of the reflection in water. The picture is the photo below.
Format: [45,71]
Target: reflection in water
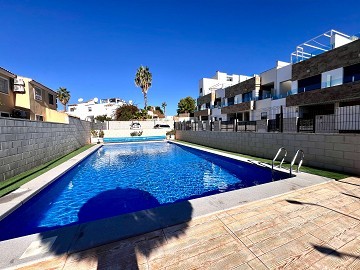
[210,182]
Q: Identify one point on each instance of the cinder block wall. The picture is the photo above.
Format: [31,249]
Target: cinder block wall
[25,144]
[339,152]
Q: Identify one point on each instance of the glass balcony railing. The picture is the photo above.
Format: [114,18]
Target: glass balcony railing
[331,83]
[284,95]
[317,86]
[352,78]
[307,88]
[265,96]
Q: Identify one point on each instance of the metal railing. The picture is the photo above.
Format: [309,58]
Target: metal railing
[281,149]
[246,126]
[294,159]
[315,119]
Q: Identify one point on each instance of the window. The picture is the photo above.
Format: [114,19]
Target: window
[264,115]
[72,109]
[38,93]
[51,99]
[229,79]
[200,90]
[247,97]
[231,101]
[218,103]
[89,109]
[352,73]
[39,117]
[4,86]
[4,114]
[308,84]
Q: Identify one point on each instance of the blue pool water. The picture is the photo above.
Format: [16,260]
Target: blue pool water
[118,179]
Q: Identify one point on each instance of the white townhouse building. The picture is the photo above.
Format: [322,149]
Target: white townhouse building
[95,107]
[317,90]
[212,91]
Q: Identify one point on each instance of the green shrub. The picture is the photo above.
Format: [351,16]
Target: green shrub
[136,133]
[94,133]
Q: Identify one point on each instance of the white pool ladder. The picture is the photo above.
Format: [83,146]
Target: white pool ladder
[294,159]
[281,149]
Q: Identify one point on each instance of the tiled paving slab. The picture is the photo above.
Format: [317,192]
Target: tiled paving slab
[313,228]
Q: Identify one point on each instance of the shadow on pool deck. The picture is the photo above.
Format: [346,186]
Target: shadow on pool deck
[131,227]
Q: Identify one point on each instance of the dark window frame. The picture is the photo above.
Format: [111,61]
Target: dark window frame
[51,98]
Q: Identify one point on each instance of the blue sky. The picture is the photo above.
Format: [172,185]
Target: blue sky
[94,47]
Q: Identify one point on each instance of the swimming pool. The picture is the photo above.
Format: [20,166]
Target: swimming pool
[123,178]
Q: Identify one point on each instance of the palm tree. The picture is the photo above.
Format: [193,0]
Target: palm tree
[163,105]
[64,96]
[143,79]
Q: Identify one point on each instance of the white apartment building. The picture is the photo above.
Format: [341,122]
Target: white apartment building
[221,80]
[215,89]
[318,84]
[90,109]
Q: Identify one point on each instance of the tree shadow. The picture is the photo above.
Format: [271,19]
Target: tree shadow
[345,182]
[332,252]
[123,241]
[350,195]
[315,204]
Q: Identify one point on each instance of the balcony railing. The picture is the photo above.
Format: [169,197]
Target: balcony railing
[323,85]
[343,119]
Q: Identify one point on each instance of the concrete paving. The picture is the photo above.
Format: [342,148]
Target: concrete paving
[317,227]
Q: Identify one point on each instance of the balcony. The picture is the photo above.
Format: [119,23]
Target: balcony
[241,107]
[205,112]
[336,93]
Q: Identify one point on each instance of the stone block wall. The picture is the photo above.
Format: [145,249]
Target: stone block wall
[204,99]
[99,125]
[204,112]
[348,91]
[25,144]
[243,87]
[338,152]
[241,107]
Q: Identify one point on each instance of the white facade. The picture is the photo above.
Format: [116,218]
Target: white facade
[268,100]
[221,80]
[93,108]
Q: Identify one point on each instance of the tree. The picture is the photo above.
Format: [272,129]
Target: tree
[143,79]
[141,114]
[63,96]
[186,105]
[157,108]
[126,112]
[103,118]
[163,105]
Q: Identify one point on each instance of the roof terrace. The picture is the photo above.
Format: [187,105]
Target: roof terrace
[320,44]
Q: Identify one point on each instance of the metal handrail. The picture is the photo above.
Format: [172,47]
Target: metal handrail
[293,161]
[277,154]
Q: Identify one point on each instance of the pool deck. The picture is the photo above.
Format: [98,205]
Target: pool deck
[317,227]
[297,222]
